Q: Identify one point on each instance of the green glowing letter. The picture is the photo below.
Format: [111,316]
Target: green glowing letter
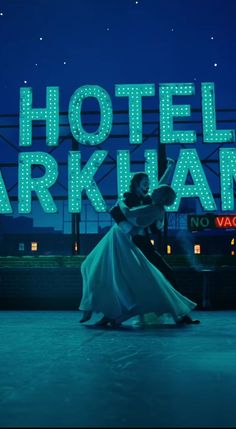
[189,163]
[80,180]
[168,111]
[210,133]
[75,108]
[50,114]
[40,185]
[228,176]
[5,206]
[135,93]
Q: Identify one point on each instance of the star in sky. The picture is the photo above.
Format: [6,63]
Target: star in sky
[139,47]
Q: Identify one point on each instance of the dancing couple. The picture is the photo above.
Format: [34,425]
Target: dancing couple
[124,276]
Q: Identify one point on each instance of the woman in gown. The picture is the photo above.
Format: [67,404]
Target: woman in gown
[118,279]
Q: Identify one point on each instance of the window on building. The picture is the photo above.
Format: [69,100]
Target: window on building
[34,246]
[169,249]
[197,249]
[21,247]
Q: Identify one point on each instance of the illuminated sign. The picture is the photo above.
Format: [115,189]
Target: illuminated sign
[225,221]
[82,179]
[210,221]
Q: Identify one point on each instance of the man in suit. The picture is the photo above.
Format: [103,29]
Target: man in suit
[138,196]
[146,221]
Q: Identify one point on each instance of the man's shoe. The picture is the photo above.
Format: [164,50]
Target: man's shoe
[105,321]
[188,321]
[86,316]
[115,324]
[102,322]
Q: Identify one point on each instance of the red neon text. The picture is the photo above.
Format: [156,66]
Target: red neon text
[225,221]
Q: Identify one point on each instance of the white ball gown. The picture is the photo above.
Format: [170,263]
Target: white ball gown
[120,282]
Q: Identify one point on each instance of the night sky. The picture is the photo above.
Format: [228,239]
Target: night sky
[106,42]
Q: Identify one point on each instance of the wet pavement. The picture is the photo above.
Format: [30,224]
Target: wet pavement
[55,372]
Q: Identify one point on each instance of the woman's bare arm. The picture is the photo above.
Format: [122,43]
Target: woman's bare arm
[164,179]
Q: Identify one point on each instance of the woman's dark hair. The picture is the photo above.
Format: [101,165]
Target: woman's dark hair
[136,179]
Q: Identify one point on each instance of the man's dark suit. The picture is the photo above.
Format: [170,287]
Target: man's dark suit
[143,241]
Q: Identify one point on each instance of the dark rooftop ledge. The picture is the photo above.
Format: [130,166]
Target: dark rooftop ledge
[194,262]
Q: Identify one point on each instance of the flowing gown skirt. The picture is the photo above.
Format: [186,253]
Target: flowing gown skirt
[120,282]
